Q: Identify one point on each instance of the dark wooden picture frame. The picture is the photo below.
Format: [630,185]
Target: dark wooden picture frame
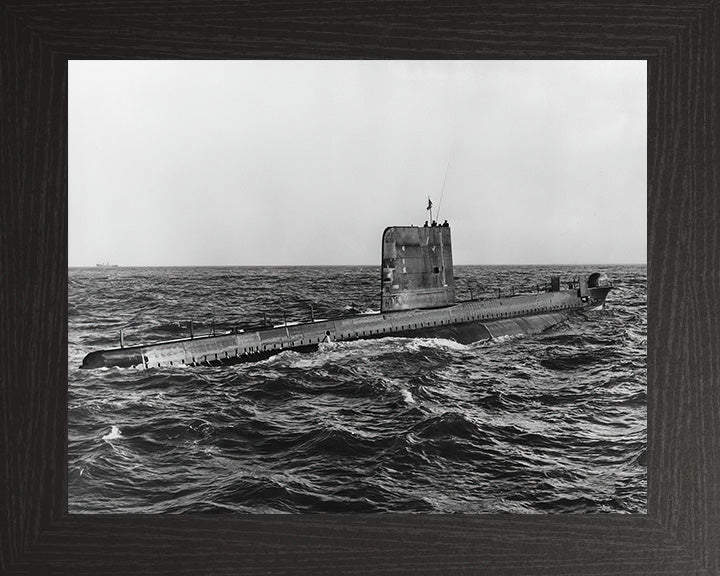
[681,532]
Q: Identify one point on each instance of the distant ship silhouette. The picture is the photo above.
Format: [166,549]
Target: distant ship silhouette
[417,300]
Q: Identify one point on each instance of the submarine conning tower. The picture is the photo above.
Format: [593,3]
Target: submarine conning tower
[417,268]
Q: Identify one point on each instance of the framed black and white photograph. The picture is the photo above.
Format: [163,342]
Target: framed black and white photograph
[395,306]
[234,348]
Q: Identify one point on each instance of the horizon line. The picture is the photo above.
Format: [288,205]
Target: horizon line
[95,266]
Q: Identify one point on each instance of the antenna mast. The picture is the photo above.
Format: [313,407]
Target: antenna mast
[437,215]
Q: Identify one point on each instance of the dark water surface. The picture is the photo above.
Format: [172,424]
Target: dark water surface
[549,423]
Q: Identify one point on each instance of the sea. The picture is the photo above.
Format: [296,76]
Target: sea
[548,423]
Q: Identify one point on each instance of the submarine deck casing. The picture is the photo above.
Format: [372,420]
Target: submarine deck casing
[464,322]
[418,300]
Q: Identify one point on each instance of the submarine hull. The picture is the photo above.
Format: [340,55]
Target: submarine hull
[464,322]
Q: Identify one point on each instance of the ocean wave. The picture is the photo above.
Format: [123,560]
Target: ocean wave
[564,362]
[554,422]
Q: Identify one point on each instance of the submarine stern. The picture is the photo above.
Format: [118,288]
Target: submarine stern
[120,357]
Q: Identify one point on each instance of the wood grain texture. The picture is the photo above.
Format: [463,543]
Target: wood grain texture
[681,532]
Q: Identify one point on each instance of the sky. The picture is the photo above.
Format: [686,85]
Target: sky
[211,163]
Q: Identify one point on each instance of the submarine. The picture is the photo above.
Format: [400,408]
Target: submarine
[417,300]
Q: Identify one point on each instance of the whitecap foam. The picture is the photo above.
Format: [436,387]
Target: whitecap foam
[114,434]
[327,346]
[280,358]
[407,396]
[305,363]
[416,344]
[507,338]
[411,439]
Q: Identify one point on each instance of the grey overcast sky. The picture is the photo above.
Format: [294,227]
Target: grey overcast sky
[176,163]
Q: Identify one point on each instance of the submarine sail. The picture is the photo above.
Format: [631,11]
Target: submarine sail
[417,269]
